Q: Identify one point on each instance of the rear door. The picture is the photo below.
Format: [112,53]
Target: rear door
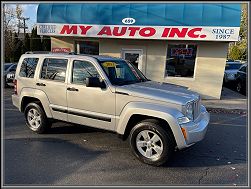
[52,81]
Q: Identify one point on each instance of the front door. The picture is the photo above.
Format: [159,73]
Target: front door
[134,56]
[91,106]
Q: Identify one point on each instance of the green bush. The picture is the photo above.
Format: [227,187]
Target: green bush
[235,53]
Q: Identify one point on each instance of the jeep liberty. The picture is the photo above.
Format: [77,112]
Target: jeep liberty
[112,94]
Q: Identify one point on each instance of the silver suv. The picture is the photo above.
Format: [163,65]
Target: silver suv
[111,94]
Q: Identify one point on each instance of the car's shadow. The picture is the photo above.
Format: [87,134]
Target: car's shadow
[206,153]
[70,128]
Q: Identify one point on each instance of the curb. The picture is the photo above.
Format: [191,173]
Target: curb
[224,110]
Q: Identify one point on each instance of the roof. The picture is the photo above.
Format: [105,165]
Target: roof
[235,62]
[67,55]
[148,14]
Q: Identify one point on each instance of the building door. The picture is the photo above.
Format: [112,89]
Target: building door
[134,56]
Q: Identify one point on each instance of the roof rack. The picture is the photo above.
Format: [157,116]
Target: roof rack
[49,52]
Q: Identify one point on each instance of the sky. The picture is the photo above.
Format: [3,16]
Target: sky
[30,11]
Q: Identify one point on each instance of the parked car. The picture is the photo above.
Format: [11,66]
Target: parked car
[241,79]
[231,69]
[9,73]
[109,94]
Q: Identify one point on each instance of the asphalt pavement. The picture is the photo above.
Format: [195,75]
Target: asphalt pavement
[78,155]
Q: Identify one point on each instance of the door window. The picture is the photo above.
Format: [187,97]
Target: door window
[54,69]
[133,58]
[82,70]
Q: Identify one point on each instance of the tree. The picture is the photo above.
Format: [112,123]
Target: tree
[8,29]
[239,49]
[12,45]
[26,43]
[46,43]
[17,50]
[235,53]
[19,12]
[35,41]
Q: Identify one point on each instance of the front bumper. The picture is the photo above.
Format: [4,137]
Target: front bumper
[9,81]
[196,130]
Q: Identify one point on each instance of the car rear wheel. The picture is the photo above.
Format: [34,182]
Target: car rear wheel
[151,143]
[36,118]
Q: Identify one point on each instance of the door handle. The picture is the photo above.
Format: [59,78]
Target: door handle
[72,89]
[40,84]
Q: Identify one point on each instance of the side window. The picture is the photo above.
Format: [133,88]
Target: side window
[54,69]
[28,67]
[82,70]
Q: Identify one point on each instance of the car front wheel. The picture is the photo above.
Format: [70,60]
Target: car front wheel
[151,143]
[239,87]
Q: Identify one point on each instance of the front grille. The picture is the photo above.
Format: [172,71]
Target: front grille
[196,108]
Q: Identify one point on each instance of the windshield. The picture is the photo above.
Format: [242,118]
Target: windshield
[6,66]
[232,66]
[121,72]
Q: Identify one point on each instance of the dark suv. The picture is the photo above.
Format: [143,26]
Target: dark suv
[241,79]
[9,73]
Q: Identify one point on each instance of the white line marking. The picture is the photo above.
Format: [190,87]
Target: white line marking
[235,125]
[9,109]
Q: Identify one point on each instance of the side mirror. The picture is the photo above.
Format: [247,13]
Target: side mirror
[94,82]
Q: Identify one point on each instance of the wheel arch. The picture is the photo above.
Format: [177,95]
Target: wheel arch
[136,112]
[34,95]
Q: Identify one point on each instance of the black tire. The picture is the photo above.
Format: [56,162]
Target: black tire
[164,134]
[45,124]
[239,87]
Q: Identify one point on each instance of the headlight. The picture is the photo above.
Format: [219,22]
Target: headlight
[10,75]
[183,120]
[189,111]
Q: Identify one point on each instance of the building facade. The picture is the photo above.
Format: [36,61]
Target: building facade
[178,43]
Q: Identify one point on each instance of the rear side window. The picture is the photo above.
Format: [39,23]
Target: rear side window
[54,69]
[28,67]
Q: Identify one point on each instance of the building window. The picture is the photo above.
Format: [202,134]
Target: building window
[54,69]
[180,60]
[88,47]
[28,67]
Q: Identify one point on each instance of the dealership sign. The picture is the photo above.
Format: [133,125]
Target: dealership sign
[59,50]
[204,33]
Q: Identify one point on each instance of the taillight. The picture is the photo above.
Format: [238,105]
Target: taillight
[15,86]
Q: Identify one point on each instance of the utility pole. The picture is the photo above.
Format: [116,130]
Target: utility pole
[24,25]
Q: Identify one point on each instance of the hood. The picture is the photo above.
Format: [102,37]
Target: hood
[159,91]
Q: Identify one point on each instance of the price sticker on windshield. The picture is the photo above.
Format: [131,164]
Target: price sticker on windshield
[109,64]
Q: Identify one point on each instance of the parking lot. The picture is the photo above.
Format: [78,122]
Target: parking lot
[77,155]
